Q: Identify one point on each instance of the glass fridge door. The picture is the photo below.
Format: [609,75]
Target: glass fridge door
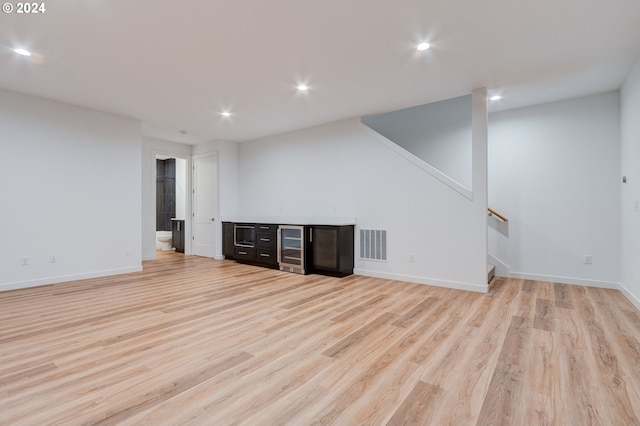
[291,247]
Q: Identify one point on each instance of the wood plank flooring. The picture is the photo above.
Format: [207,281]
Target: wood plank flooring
[196,341]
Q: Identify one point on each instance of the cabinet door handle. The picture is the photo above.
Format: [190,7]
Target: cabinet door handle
[264,227]
[265,239]
[279,244]
[265,255]
[242,252]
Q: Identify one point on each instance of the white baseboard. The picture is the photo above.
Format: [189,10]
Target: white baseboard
[422,280]
[566,280]
[64,278]
[588,283]
[633,299]
[218,257]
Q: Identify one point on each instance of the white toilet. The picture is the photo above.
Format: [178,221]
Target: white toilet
[164,240]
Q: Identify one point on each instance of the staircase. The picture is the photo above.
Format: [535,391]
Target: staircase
[491,272]
[503,221]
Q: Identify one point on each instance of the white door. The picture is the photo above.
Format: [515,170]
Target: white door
[205,205]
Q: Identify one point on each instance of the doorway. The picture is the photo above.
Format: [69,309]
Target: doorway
[171,197]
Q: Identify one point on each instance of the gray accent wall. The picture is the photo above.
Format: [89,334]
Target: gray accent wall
[438,133]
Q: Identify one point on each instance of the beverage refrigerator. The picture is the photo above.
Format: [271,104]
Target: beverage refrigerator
[292,248]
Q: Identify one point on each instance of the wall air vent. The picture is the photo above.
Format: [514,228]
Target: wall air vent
[373,244]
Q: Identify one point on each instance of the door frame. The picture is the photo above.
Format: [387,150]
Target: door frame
[217,251]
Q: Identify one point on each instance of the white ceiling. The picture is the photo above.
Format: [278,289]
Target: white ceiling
[174,65]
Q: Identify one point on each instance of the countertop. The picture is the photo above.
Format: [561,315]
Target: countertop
[293,220]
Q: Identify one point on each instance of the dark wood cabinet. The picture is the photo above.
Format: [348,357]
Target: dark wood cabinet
[331,249]
[267,228]
[324,249]
[257,246]
[177,234]
[267,241]
[266,244]
[266,256]
[245,253]
[228,246]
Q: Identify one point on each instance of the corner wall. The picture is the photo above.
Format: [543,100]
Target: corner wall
[71,188]
[630,192]
[554,172]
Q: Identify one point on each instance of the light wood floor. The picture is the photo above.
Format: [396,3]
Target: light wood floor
[197,341]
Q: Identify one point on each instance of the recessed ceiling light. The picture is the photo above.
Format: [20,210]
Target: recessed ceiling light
[183,132]
[22,52]
[423,46]
[495,98]
[225,114]
[302,87]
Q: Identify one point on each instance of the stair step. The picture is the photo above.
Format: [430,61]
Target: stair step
[491,272]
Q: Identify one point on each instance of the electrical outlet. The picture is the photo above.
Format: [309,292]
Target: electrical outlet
[129,252]
[25,261]
[588,259]
[412,257]
[53,258]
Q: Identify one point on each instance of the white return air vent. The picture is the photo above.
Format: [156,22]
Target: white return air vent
[373,244]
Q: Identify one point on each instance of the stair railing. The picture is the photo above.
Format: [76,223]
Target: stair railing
[497,215]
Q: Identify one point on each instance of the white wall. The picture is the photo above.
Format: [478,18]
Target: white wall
[70,184]
[438,133]
[630,192]
[341,170]
[181,188]
[228,178]
[150,148]
[554,172]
